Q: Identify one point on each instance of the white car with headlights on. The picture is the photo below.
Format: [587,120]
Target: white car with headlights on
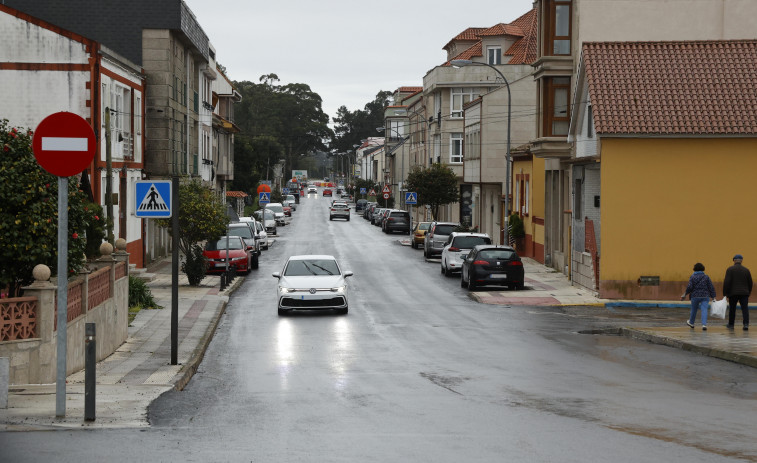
[312,282]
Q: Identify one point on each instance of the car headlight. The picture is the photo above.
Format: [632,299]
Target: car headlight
[338,289]
[285,290]
[238,259]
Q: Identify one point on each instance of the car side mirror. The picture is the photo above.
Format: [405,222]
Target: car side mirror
[347,273]
[276,275]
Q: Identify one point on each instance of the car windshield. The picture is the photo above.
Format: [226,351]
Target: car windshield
[444,229]
[424,226]
[244,232]
[298,268]
[221,244]
[496,254]
[268,214]
[275,207]
[400,214]
[467,242]
[290,198]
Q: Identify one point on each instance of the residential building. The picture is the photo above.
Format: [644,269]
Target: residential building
[45,69]
[222,154]
[397,135]
[167,42]
[570,180]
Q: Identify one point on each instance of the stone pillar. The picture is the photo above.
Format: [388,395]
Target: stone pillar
[107,259]
[85,289]
[121,255]
[44,291]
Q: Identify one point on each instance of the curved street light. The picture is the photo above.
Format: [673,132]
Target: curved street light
[458,63]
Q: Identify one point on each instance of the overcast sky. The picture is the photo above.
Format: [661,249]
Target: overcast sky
[345,50]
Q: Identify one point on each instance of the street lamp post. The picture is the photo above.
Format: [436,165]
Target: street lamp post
[467,62]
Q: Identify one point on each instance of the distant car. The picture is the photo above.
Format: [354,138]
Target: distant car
[360,205]
[260,233]
[419,234]
[312,189]
[238,256]
[458,246]
[278,211]
[269,222]
[291,202]
[488,264]
[339,211]
[397,220]
[246,231]
[312,282]
[287,210]
[436,237]
[376,215]
[327,192]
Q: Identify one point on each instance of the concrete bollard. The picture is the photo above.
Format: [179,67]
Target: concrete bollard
[5,374]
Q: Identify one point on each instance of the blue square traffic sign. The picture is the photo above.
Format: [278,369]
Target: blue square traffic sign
[153,199]
[411,197]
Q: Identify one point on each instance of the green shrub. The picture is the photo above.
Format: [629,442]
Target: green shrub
[195,265]
[140,294]
[517,230]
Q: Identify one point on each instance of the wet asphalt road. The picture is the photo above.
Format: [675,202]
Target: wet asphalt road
[419,372]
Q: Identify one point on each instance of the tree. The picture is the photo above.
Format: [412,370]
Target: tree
[29,214]
[352,126]
[202,217]
[436,186]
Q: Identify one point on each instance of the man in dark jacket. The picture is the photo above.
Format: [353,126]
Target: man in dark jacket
[737,286]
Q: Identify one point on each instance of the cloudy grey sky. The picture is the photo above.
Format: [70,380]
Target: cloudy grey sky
[345,50]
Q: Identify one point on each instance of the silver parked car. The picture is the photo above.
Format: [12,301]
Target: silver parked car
[312,282]
[436,236]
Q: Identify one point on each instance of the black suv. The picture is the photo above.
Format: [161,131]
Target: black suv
[360,204]
[397,221]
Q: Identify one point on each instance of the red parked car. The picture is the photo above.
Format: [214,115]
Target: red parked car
[288,211]
[239,257]
[328,192]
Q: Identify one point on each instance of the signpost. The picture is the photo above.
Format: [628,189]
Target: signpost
[411,198]
[64,145]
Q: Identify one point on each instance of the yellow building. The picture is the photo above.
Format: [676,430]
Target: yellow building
[665,137]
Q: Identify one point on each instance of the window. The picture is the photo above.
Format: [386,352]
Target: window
[396,129]
[559,27]
[438,106]
[589,122]
[437,148]
[456,147]
[556,118]
[494,55]
[459,97]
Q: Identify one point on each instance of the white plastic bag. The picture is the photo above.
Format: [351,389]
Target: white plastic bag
[718,308]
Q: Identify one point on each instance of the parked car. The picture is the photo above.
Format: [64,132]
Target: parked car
[436,237]
[291,201]
[458,246]
[260,233]
[269,222]
[246,231]
[376,215]
[419,234]
[287,210]
[382,217]
[278,211]
[216,254]
[339,210]
[488,264]
[360,205]
[397,220]
[369,208]
[327,192]
[312,282]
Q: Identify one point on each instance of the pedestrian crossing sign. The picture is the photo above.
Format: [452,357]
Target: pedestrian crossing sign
[153,199]
[264,198]
[411,198]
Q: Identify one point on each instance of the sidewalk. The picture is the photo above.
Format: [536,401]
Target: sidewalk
[140,371]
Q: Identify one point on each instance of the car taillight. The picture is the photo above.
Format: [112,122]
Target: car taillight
[389,219]
[515,263]
[480,262]
[452,248]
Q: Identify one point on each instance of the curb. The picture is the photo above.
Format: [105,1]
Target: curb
[194,363]
[670,342]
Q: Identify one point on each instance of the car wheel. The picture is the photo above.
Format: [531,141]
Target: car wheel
[283,312]
[342,311]
[519,286]
[463,284]
[471,284]
[348,219]
[255,262]
[331,218]
[413,245]
[444,270]
[425,253]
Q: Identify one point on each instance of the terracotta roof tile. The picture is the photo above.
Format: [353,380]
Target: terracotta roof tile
[469,34]
[686,87]
[236,194]
[410,89]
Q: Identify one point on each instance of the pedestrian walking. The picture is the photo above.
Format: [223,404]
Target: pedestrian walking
[737,286]
[700,289]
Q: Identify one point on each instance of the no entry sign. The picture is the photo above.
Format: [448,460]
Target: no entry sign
[64,144]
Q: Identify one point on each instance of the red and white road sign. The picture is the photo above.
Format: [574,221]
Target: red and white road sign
[372,192]
[386,189]
[64,144]
[386,195]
